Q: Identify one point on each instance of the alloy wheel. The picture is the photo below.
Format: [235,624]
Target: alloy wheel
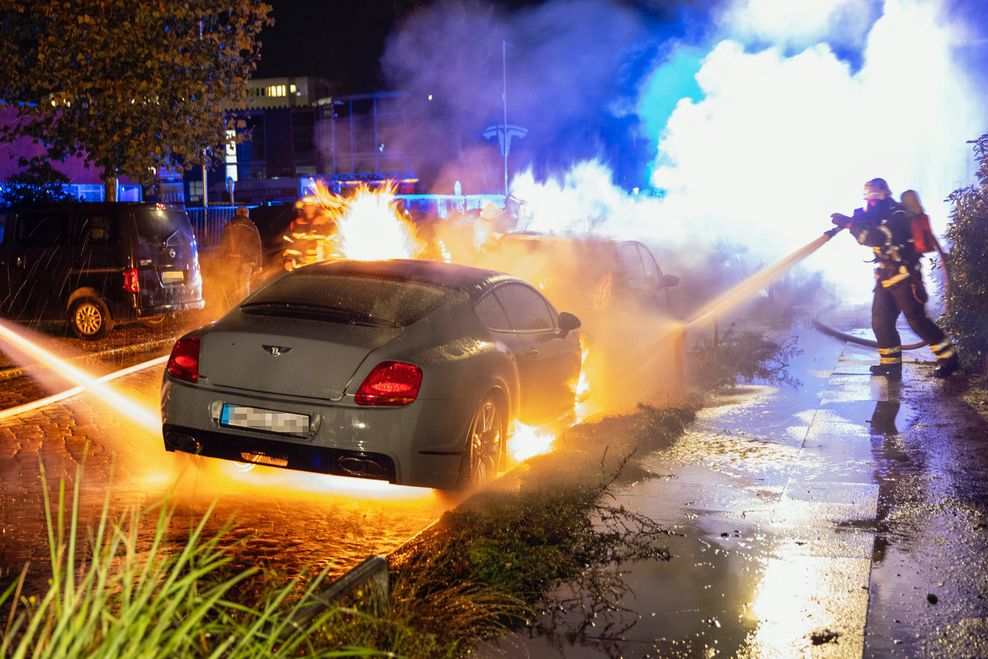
[485,439]
[88,318]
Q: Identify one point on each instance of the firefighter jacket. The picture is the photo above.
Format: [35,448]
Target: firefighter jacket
[311,241]
[887,229]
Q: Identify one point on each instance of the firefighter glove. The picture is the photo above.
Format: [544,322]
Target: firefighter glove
[840,220]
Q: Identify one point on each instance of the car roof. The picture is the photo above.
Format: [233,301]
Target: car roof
[474,281]
[585,240]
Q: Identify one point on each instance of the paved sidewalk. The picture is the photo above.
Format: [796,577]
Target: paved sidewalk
[775,496]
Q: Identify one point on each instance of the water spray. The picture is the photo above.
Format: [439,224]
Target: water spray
[725,302]
[147,418]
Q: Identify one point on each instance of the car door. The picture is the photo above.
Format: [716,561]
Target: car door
[94,252]
[37,263]
[548,364]
[634,271]
[654,279]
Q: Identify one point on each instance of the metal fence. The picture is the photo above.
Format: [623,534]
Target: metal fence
[208,223]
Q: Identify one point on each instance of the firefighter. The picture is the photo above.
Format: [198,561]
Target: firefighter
[312,237]
[240,250]
[884,225]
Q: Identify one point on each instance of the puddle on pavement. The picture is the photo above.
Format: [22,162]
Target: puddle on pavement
[738,580]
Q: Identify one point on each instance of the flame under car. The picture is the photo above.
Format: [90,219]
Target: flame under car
[405,371]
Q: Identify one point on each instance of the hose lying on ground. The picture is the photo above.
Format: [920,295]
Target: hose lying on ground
[871,343]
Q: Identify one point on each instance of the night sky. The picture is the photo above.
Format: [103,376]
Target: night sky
[342,40]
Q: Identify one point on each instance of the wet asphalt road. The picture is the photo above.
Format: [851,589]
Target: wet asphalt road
[287,520]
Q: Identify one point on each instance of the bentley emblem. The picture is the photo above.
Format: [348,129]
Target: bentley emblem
[277,351]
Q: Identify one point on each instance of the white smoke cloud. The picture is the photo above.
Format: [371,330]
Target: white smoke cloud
[585,200]
[779,142]
[799,23]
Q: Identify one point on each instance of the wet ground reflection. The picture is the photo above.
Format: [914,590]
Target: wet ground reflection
[288,520]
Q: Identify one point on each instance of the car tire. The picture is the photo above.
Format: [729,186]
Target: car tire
[484,445]
[89,318]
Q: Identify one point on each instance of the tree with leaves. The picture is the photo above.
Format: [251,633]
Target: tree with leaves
[966,314]
[129,86]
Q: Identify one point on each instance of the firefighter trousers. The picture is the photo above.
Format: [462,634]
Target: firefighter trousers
[906,297]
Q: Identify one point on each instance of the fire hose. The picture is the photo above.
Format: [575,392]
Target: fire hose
[830,331]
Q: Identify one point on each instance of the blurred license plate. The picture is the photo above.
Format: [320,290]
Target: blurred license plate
[287,423]
[172,276]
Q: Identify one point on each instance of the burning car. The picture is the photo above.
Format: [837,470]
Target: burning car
[590,274]
[406,371]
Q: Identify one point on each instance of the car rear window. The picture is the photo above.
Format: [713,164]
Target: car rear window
[163,226]
[347,298]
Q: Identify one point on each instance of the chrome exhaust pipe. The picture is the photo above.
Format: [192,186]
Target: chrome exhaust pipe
[361,467]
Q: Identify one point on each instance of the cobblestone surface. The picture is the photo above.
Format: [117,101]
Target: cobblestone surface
[287,519]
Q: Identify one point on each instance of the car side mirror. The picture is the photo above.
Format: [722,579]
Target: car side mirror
[669,281]
[567,323]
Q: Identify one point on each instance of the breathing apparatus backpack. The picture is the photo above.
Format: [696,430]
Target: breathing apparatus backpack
[923,239]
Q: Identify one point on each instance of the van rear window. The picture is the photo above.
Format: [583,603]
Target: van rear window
[163,226]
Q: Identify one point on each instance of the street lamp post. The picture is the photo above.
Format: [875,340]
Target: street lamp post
[504,103]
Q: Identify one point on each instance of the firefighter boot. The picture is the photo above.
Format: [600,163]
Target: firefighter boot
[891,371]
[947,358]
[947,367]
[891,363]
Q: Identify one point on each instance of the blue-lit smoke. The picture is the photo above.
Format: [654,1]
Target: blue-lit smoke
[754,119]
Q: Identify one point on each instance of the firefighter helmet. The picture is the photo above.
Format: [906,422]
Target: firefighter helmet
[876,189]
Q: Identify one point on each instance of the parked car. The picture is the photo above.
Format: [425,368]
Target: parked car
[592,275]
[97,264]
[406,371]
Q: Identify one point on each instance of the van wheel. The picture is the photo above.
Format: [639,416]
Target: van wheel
[89,318]
[485,443]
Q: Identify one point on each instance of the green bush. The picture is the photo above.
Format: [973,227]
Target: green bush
[966,307]
[36,184]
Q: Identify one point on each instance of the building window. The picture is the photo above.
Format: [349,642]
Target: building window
[86,191]
[195,190]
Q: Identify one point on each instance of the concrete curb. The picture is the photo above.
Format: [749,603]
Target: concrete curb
[11,372]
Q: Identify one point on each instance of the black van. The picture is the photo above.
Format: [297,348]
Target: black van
[98,263]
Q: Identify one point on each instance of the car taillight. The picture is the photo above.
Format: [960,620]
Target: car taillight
[390,383]
[183,363]
[130,283]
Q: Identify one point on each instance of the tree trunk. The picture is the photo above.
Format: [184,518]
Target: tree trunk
[110,189]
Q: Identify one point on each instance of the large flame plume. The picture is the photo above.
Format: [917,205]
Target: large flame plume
[370,225]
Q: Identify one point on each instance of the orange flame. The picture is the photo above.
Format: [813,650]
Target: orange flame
[528,441]
[581,388]
[371,227]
